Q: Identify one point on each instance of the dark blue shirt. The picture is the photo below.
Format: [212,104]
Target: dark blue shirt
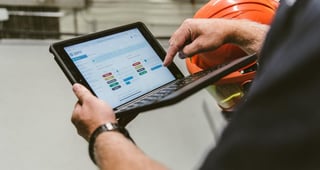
[277,127]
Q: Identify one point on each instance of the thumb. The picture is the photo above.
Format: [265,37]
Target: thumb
[193,48]
[81,92]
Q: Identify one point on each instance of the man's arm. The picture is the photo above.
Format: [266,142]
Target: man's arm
[201,35]
[112,149]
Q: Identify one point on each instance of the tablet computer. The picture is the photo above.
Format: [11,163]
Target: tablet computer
[124,67]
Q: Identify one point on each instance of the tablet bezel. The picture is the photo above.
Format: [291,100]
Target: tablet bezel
[72,72]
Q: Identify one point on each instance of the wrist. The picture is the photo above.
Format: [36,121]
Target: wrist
[112,129]
[248,35]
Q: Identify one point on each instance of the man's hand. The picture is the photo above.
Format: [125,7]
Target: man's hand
[202,35]
[197,35]
[89,112]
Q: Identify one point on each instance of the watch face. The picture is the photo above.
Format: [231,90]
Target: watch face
[111,127]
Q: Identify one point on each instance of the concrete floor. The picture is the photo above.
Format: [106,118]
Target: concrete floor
[36,102]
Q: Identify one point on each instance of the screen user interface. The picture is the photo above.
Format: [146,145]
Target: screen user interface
[120,67]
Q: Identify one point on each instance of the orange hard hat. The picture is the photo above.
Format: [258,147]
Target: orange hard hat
[261,11]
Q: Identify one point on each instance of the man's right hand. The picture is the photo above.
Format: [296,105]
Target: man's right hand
[201,35]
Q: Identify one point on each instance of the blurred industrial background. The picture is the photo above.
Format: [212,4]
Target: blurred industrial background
[43,19]
[36,99]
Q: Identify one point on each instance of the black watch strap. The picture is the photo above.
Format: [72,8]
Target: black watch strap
[105,128]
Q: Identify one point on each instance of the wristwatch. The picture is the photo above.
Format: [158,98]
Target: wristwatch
[105,128]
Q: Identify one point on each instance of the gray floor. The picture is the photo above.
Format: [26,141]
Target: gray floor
[36,102]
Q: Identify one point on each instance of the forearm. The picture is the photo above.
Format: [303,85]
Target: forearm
[114,151]
[248,35]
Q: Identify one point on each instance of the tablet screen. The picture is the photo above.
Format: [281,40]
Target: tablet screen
[120,67]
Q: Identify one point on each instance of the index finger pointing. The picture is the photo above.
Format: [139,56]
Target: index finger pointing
[177,41]
[172,51]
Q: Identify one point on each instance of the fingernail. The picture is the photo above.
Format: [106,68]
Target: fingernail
[76,87]
[182,55]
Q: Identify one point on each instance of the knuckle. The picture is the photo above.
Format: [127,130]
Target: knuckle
[74,118]
[188,21]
